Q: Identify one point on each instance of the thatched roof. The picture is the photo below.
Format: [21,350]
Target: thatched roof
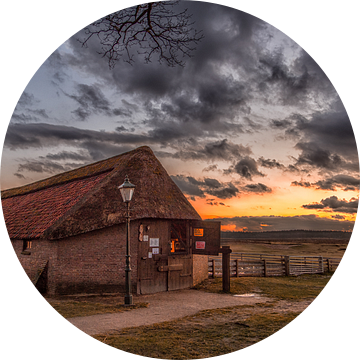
[87,198]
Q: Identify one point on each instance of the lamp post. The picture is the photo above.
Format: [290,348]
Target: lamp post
[127,191]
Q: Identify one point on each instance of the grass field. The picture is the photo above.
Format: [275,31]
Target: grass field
[209,333]
[301,249]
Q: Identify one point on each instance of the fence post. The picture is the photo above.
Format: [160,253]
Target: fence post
[328,264]
[226,268]
[321,262]
[287,265]
[237,267]
[213,268]
[265,272]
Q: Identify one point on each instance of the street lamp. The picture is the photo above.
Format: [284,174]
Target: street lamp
[127,191]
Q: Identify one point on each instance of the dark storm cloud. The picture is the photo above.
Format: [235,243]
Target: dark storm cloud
[292,87]
[340,181]
[312,155]
[26,100]
[68,155]
[331,130]
[333,203]
[270,163]
[210,168]
[293,83]
[257,188]
[187,186]
[42,166]
[92,100]
[231,69]
[200,92]
[345,182]
[325,140]
[195,187]
[246,167]
[25,136]
[208,151]
[226,192]
[276,223]
[216,102]
[95,145]
[26,111]
[305,184]
[225,150]
[280,124]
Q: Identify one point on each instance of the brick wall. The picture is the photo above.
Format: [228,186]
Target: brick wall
[94,262]
[91,262]
[33,259]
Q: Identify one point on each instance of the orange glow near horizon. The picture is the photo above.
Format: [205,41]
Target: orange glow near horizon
[285,202]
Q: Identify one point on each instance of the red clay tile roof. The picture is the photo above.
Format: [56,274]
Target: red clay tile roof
[87,198]
[29,215]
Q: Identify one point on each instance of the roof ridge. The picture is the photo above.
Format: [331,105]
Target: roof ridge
[82,172]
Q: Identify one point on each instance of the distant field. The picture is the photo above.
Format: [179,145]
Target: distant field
[325,250]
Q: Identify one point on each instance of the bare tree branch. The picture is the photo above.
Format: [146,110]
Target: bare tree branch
[152,29]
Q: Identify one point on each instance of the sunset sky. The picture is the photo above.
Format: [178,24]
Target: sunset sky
[250,129]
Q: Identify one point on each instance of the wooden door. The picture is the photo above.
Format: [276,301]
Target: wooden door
[179,272]
[152,254]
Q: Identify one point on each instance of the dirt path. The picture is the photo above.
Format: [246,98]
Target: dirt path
[162,307]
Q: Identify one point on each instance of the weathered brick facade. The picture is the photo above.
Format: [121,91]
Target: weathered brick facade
[91,262]
[95,262]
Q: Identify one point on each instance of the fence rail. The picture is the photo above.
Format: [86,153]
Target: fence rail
[250,264]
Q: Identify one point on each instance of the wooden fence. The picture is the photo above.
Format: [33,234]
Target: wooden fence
[248,264]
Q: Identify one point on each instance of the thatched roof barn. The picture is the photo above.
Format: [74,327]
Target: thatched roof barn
[87,198]
[71,220]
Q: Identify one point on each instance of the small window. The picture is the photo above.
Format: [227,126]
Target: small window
[178,238]
[27,245]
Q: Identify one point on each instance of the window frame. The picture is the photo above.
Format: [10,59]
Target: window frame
[181,234]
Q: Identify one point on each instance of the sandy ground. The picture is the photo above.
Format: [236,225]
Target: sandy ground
[173,305]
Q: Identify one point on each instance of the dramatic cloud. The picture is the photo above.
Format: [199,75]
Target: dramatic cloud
[249,114]
[345,182]
[91,100]
[226,192]
[246,168]
[316,157]
[212,202]
[341,181]
[336,205]
[26,136]
[257,188]
[326,140]
[43,167]
[218,150]
[270,163]
[191,186]
[188,185]
[302,183]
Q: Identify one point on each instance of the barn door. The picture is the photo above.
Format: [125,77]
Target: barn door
[205,237]
[152,254]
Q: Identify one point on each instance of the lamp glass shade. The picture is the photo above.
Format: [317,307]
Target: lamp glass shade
[127,190]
